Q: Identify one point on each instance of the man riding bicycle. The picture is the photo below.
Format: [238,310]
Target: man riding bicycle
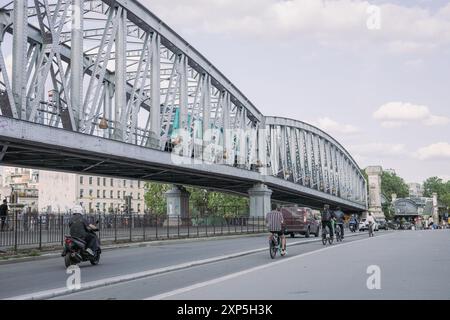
[371,222]
[339,216]
[326,220]
[275,224]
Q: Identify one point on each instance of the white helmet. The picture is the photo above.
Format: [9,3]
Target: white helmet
[77,209]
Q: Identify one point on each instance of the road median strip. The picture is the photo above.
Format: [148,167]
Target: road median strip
[48,294]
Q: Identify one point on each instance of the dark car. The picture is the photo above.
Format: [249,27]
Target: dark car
[394,225]
[300,220]
[382,224]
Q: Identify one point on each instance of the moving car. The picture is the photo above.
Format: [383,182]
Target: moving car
[300,220]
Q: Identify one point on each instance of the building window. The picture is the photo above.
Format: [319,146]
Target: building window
[104,207]
[123,194]
[124,183]
[90,192]
[111,182]
[104,193]
[90,207]
[118,194]
[81,193]
[111,194]
[131,183]
[139,207]
[139,196]
[104,182]
[81,179]
[90,181]
[139,183]
[98,182]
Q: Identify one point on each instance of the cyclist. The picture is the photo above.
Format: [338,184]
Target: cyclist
[275,224]
[326,220]
[339,216]
[370,221]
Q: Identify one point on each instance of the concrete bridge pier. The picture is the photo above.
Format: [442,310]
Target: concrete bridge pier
[260,200]
[177,205]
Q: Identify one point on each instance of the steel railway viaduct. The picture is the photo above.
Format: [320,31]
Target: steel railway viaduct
[104,87]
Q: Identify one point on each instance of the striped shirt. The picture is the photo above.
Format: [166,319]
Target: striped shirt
[274,219]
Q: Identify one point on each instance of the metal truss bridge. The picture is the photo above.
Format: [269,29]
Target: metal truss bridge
[105,87]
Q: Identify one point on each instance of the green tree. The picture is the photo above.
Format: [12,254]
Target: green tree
[154,197]
[391,183]
[435,184]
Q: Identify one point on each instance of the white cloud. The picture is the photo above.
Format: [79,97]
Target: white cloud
[440,150]
[403,28]
[332,126]
[397,114]
[378,149]
[433,120]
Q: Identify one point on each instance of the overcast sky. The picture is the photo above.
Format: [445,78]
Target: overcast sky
[380,86]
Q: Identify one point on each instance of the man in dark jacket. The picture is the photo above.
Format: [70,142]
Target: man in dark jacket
[339,216]
[326,219]
[79,228]
[3,213]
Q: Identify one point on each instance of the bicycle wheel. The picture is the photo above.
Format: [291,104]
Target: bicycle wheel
[273,248]
[330,240]
[324,238]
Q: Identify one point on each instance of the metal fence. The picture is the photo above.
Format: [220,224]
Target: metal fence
[27,232]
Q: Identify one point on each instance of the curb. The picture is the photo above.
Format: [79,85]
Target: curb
[48,294]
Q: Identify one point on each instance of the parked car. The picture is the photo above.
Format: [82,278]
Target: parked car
[300,220]
[364,226]
[382,224]
[394,225]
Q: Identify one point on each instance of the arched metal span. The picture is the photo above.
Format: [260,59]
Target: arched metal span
[106,87]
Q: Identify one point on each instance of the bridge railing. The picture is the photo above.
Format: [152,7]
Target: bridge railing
[48,230]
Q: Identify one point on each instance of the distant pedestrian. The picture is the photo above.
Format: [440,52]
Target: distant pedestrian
[3,213]
[431,223]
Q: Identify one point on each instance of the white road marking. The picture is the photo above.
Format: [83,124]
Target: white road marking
[241,273]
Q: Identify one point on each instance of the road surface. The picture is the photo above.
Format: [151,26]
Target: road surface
[407,264]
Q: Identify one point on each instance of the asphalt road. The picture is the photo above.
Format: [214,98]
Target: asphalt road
[412,264]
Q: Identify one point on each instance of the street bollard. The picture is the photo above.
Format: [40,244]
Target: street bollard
[156,224]
[40,232]
[15,231]
[178,225]
[115,227]
[143,226]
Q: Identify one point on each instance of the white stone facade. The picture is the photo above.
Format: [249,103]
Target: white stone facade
[61,191]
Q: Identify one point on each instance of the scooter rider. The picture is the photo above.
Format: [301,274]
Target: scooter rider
[80,227]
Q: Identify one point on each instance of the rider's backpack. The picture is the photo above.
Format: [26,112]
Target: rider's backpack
[326,215]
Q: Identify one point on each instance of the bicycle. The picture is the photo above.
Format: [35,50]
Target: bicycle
[337,231]
[370,227]
[326,237]
[275,245]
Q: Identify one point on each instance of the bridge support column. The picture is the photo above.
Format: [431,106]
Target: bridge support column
[177,205]
[374,174]
[260,203]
